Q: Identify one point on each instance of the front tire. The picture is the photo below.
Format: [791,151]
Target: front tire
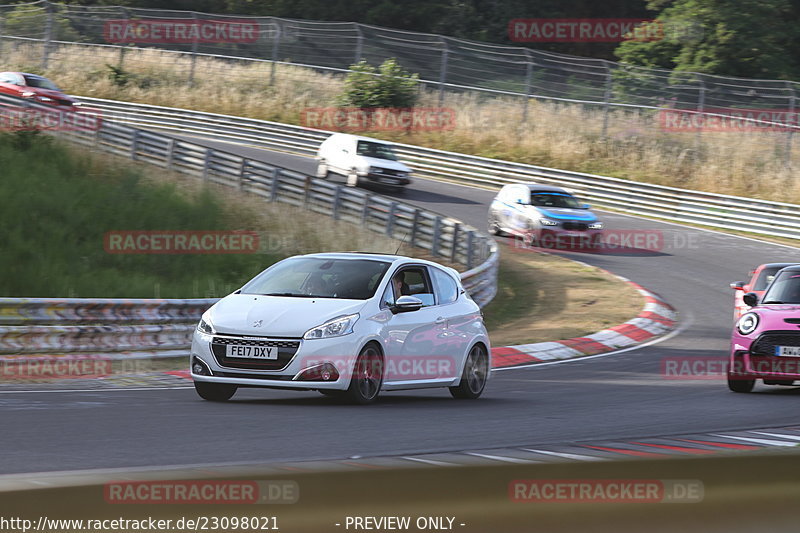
[740,385]
[367,376]
[214,392]
[322,171]
[474,376]
[352,179]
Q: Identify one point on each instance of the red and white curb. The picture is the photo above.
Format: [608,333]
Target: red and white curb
[656,318]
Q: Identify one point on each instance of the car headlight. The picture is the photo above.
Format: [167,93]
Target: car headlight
[747,324]
[204,326]
[333,328]
[548,222]
[596,225]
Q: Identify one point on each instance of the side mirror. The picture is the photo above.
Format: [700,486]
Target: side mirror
[737,285]
[750,299]
[586,206]
[406,304]
[520,201]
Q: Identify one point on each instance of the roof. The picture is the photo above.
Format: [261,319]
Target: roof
[389,258]
[361,138]
[536,187]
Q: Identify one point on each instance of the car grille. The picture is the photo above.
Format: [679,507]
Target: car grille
[575,226]
[286,350]
[765,344]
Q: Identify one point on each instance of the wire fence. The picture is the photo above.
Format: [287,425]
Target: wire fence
[443,63]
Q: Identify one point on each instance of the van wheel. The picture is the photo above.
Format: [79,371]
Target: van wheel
[322,170]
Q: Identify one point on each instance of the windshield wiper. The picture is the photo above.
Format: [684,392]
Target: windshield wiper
[772,302]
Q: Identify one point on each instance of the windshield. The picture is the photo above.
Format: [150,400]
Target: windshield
[784,290]
[766,276]
[307,277]
[376,150]
[40,83]
[547,199]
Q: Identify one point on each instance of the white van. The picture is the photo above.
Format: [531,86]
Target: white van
[361,159]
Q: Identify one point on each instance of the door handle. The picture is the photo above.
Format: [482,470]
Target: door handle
[440,320]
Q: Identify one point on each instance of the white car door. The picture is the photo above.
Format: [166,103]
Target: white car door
[416,341]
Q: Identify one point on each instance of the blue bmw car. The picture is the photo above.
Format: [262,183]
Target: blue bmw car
[544,216]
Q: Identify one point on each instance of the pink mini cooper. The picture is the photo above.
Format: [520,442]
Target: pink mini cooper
[765,343]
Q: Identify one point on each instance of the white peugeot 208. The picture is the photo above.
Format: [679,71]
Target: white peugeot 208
[350,324]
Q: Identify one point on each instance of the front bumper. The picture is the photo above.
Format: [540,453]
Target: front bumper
[338,351]
[744,365]
[387,178]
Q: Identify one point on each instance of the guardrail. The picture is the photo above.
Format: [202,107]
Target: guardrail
[681,205]
[91,324]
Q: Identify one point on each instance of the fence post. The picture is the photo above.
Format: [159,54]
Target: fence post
[470,248]
[359,43]
[127,16]
[275,46]
[701,106]
[170,153]
[273,189]
[793,123]
[336,200]
[242,173]
[443,71]
[606,100]
[365,209]
[48,33]
[528,74]
[390,219]
[195,44]
[207,162]
[134,144]
[2,43]
[454,251]
[307,191]
[414,228]
[437,234]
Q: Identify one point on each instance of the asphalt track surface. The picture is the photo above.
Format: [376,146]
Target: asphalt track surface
[619,396]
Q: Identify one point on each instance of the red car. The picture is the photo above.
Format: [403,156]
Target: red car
[36,88]
[760,278]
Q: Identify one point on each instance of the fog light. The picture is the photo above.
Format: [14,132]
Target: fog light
[323,372]
[199,367]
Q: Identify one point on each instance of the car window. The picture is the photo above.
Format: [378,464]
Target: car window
[376,150]
[785,289]
[446,286]
[41,83]
[765,277]
[355,279]
[554,199]
[413,281]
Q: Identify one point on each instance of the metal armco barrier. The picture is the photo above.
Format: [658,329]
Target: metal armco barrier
[44,326]
[681,205]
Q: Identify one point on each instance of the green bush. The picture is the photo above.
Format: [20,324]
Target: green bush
[388,86]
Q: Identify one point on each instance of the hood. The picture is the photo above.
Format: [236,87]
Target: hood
[280,316]
[567,213]
[383,163]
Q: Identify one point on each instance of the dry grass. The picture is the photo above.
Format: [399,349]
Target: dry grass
[563,136]
[544,297]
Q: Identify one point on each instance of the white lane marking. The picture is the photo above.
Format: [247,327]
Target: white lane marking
[428,461]
[93,390]
[780,436]
[500,458]
[573,456]
[765,442]
[684,325]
